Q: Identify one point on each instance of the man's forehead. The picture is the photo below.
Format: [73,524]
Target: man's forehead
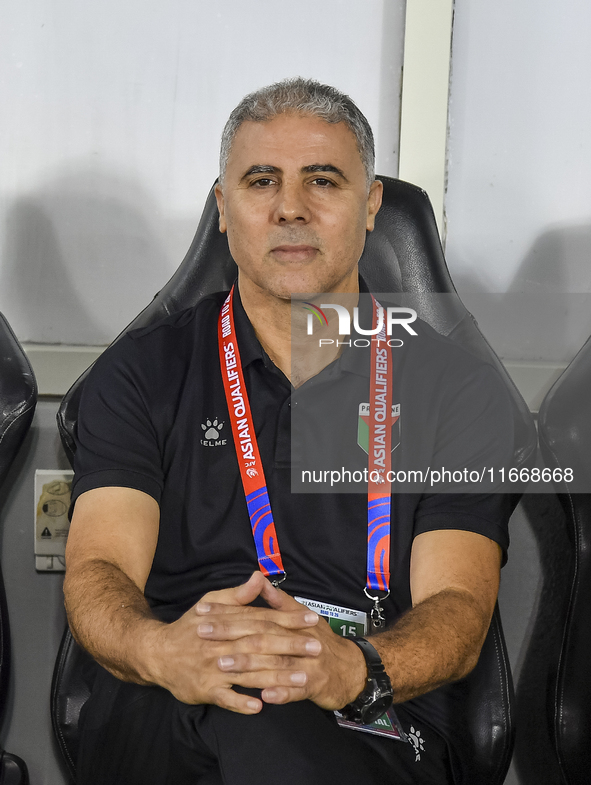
[294,136]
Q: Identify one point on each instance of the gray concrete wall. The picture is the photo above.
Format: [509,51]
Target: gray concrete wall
[113,114]
[518,202]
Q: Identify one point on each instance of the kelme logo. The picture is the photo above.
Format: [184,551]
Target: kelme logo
[212,430]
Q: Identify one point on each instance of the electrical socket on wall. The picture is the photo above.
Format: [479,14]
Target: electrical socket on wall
[52,500]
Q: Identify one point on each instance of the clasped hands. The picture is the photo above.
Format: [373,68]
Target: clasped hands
[287,651]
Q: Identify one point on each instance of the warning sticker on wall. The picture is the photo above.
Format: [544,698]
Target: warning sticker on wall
[52,495]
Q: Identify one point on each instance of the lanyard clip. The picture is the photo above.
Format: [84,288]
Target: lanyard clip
[279,579]
[378,619]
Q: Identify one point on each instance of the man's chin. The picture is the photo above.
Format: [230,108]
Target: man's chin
[302,285]
[300,297]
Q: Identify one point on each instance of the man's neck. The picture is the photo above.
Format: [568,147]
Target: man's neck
[281,328]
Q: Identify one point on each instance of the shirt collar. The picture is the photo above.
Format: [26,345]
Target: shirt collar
[248,343]
[353,359]
[358,359]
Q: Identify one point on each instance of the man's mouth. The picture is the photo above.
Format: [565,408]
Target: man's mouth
[294,253]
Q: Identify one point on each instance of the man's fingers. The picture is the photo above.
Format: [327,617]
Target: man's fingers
[238,595]
[279,599]
[295,682]
[272,595]
[280,694]
[300,618]
[212,607]
[260,638]
[275,692]
[252,630]
[229,699]
[242,663]
[257,585]
[253,587]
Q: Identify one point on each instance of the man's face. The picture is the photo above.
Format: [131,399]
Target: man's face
[295,206]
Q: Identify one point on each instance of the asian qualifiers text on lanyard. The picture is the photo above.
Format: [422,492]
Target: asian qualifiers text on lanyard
[253,476]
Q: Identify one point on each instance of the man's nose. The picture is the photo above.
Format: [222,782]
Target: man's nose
[291,204]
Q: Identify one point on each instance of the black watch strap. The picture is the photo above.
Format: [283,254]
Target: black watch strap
[377,696]
[374,663]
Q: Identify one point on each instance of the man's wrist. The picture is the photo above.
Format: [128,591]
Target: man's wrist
[358,674]
[376,697]
[149,655]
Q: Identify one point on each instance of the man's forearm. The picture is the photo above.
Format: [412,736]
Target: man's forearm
[110,618]
[438,641]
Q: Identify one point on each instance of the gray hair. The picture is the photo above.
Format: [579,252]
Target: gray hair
[307,97]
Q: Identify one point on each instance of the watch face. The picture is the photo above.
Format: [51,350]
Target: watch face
[374,701]
[373,710]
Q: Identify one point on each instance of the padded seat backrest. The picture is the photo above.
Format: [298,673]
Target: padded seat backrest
[403,254]
[18,397]
[565,441]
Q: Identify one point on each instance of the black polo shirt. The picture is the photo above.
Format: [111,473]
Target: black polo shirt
[153,416]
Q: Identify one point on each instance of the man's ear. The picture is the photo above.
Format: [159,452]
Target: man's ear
[374,202]
[219,197]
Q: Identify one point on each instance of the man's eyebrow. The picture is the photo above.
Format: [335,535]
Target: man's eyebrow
[324,168]
[260,169]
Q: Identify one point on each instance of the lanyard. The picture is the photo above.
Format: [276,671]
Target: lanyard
[253,475]
[247,448]
[380,462]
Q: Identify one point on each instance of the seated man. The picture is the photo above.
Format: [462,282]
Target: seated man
[211,671]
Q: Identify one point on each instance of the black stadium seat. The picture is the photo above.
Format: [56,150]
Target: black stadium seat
[565,441]
[18,397]
[403,254]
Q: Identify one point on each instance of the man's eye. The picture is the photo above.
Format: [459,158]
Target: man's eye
[322,182]
[263,182]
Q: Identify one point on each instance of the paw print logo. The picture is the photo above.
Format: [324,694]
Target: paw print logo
[417,742]
[212,429]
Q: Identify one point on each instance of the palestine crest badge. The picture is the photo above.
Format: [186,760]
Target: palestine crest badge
[363,426]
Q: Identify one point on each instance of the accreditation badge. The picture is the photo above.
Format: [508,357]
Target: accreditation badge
[349,623]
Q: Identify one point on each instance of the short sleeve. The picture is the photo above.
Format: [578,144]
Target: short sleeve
[475,438]
[116,440]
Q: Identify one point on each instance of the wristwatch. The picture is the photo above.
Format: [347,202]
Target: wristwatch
[377,697]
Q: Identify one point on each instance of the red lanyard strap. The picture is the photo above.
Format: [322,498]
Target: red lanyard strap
[245,442]
[251,467]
